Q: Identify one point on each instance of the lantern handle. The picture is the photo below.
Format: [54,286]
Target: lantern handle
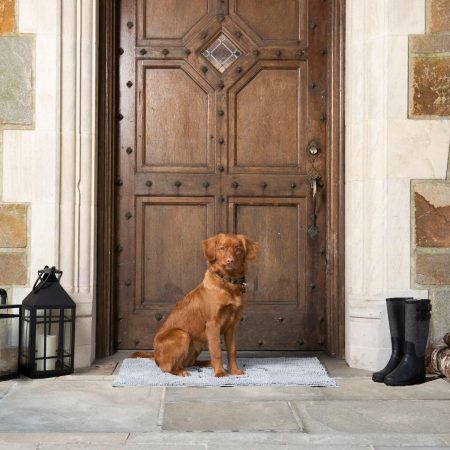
[44,275]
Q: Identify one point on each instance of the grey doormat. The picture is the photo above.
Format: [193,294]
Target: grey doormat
[259,372]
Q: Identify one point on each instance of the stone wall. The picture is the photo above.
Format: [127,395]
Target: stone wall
[430,199]
[387,148]
[48,123]
[16,111]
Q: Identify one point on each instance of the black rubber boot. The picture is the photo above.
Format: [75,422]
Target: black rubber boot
[396,316]
[411,369]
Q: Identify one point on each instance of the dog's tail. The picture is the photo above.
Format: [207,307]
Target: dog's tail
[149,355]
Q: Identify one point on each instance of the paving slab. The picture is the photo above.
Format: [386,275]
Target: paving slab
[446,438]
[365,389]
[287,439]
[78,406]
[128,447]
[240,394]
[383,416]
[234,416]
[98,368]
[415,447]
[5,386]
[338,368]
[18,447]
[214,440]
[51,438]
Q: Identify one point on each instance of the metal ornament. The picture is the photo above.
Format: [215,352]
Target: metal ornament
[313,231]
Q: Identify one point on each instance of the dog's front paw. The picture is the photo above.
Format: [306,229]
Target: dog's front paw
[237,372]
[181,373]
[221,373]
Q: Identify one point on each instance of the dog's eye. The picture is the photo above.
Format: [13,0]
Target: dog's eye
[222,248]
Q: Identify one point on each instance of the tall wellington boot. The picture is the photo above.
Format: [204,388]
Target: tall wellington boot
[396,316]
[411,369]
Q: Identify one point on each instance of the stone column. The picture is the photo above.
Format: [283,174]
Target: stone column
[77,168]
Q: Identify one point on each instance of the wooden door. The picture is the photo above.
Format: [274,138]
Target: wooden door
[223,128]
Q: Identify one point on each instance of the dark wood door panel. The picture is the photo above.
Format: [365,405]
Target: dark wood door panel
[280,22]
[280,329]
[268,119]
[169,258]
[176,120]
[278,276]
[171,22]
[220,105]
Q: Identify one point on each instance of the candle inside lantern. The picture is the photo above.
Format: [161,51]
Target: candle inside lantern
[50,350]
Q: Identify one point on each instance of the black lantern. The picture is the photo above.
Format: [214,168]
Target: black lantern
[9,338]
[48,328]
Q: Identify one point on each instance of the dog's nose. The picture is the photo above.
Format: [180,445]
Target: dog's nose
[228,260]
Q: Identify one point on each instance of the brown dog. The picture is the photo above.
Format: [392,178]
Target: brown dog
[212,309]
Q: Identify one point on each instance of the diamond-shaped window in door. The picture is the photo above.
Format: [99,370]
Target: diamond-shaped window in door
[222,53]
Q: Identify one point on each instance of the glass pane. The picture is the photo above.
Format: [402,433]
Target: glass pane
[222,53]
[68,314]
[47,338]
[25,336]
[67,337]
[67,362]
[9,341]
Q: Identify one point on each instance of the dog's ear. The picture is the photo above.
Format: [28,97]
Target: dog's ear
[251,248]
[209,249]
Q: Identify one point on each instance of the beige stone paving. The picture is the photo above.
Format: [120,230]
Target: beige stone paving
[83,411]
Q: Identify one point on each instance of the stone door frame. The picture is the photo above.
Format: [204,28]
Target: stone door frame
[108,53]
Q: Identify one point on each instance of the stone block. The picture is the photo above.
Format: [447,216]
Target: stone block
[54,405]
[375,416]
[241,394]
[429,43]
[440,315]
[233,416]
[432,214]
[431,86]
[364,389]
[7,16]
[438,16]
[13,226]
[16,81]
[429,83]
[13,268]
[433,268]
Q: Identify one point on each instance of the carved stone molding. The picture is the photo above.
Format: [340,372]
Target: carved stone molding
[77,160]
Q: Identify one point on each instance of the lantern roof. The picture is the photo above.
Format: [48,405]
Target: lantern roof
[47,292]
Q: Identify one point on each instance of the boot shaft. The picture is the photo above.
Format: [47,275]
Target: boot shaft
[396,317]
[417,324]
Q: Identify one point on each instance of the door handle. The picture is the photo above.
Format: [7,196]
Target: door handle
[314,179]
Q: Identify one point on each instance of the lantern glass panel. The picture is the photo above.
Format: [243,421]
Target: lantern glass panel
[68,334]
[9,341]
[48,339]
[24,351]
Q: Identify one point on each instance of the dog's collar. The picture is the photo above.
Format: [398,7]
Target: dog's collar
[236,281]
